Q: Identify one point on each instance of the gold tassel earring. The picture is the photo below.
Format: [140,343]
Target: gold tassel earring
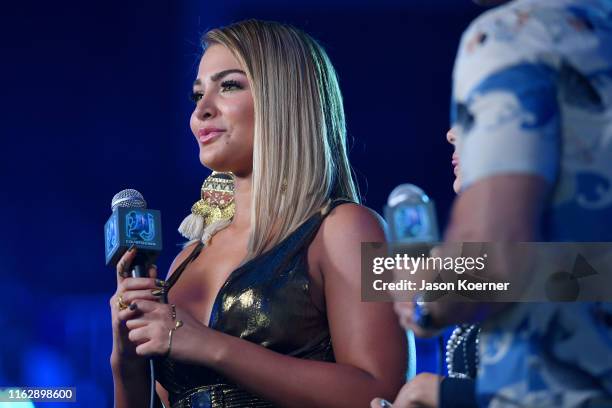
[213,211]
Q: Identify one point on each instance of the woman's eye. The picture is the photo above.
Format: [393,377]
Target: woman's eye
[196,96]
[230,85]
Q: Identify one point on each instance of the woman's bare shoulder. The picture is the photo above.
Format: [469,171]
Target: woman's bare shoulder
[338,241]
[351,222]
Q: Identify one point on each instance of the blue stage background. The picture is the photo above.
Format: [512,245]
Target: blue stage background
[95,100]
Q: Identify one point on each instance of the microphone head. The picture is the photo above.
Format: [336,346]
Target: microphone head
[128,198]
[132,224]
[411,215]
[407,193]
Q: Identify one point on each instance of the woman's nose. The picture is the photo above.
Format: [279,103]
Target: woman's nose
[205,108]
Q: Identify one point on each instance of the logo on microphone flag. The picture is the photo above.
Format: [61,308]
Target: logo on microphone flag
[140,226]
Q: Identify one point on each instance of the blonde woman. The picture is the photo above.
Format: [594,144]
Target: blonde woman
[264,304]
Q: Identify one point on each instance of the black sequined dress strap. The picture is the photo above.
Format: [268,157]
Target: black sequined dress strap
[179,270]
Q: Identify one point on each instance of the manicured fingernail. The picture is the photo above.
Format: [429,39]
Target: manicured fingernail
[133,306]
[133,247]
[157,292]
[161,283]
[385,404]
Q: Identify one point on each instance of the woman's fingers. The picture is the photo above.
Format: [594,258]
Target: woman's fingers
[130,296]
[133,289]
[124,264]
[137,308]
[152,348]
[152,271]
[139,335]
[150,336]
[129,313]
[146,306]
[136,323]
[141,283]
[148,323]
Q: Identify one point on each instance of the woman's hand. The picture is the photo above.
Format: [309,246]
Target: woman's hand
[150,324]
[421,392]
[142,324]
[128,290]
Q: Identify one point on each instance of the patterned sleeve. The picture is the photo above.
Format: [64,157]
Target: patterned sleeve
[505,105]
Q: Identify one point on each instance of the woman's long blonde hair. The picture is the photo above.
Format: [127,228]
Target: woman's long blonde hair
[300,156]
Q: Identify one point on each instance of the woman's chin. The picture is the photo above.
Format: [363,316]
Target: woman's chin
[218,164]
[212,160]
[214,166]
[224,160]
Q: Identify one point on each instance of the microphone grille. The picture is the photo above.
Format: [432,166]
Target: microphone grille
[407,193]
[128,198]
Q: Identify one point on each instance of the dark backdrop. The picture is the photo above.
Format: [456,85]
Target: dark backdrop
[95,99]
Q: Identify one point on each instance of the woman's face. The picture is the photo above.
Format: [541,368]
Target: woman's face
[452,139]
[223,119]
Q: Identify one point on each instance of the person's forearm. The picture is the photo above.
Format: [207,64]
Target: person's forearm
[450,311]
[131,383]
[489,212]
[288,381]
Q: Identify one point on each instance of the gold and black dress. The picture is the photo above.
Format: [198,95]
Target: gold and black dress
[266,301]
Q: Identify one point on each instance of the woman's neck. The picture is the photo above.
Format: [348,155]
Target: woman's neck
[242,199]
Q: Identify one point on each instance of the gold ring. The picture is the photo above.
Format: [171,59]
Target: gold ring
[121,304]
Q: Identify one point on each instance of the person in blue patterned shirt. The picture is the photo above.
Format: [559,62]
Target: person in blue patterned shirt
[533,100]
[532,105]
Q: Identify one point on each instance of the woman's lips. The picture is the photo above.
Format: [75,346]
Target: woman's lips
[207,135]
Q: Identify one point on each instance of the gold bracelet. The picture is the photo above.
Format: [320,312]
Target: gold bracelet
[179,323]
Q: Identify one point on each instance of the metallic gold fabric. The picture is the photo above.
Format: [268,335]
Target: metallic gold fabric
[220,395]
[266,301]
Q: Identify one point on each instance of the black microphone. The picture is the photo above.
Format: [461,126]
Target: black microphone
[132,224]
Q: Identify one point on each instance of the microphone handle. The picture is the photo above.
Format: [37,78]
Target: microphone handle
[139,270]
[139,266]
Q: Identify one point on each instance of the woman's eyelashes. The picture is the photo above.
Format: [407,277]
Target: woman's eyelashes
[230,85]
[195,96]
[226,86]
